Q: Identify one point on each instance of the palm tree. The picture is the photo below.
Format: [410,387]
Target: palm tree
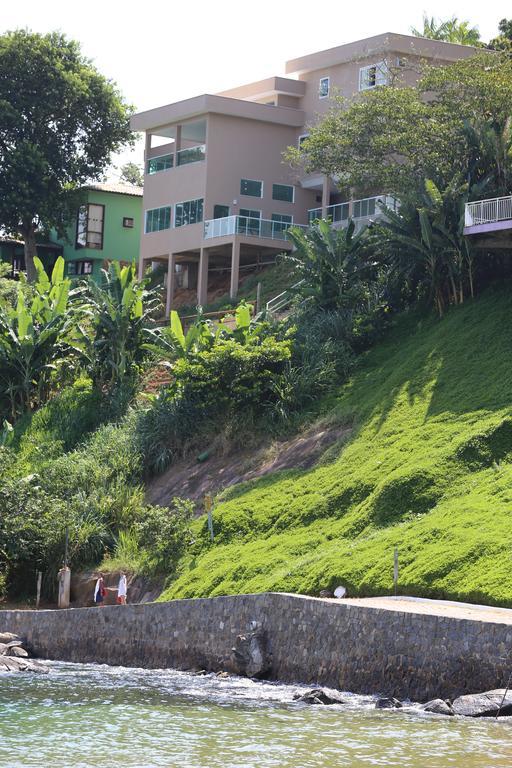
[451,31]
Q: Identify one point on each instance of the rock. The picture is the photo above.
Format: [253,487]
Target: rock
[388,703]
[320,696]
[8,637]
[223,674]
[438,706]
[17,651]
[484,704]
[13,664]
[6,647]
[250,654]
[326,593]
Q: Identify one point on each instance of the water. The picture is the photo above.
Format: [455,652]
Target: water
[80,716]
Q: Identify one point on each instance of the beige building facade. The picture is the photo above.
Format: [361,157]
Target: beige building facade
[217,193]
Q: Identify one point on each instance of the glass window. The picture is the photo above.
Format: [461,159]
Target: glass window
[89,226]
[220,211]
[284,192]
[162,163]
[251,188]
[75,268]
[158,219]
[302,139]
[128,222]
[323,88]
[192,155]
[72,267]
[373,75]
[189,212]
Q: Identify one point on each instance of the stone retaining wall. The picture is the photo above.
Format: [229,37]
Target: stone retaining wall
[353,648]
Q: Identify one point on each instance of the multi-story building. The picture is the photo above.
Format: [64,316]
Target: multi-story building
[107,227]
[217,194]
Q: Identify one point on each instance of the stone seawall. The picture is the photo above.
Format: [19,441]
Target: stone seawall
[350,647]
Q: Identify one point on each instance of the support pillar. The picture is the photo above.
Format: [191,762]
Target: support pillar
[202,278]
[235,268]
[141,267]
[326,193]
[171,282]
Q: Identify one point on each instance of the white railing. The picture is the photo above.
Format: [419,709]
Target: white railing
[361,211]
[248,226]
[488,211]
[282,300]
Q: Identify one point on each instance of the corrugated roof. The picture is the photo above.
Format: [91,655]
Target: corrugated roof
[119,189]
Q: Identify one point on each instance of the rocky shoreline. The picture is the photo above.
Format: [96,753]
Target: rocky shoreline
[15,658]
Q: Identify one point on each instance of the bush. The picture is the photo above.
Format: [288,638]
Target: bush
[164,533]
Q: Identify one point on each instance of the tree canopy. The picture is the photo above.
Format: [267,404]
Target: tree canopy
[450,30]
[60,122]
[389,139]
[131,174]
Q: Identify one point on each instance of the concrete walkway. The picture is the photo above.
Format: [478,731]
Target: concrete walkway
[486,613]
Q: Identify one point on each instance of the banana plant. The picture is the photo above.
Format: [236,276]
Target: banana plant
[172,343]
[35,336]
[119,310]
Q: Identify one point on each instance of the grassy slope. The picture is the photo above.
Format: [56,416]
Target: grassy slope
[428,468]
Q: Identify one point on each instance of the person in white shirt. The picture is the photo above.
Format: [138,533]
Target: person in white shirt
[122,589]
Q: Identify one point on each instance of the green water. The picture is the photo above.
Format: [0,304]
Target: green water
[80,716]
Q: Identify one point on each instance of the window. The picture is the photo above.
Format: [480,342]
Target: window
[323,88]
[158,219]
[190,212]
[162,163]
[128,222]
[249,222]
[192,155]
[75,268]
[89,226]
[284,192]
[251,188]
[220,211]
[302,139]
[281,222]
[373,75]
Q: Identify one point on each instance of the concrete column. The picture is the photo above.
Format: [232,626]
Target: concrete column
[235,268]
[142,267]
[64,578]
[171,282]
[351,204]
[202,278]
[326,193]
[177,144]
[147,147]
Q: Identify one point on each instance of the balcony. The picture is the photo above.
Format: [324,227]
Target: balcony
[363,211]
[489,215]
[247,226]
[182,157]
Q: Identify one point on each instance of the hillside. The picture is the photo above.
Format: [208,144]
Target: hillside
[427,468]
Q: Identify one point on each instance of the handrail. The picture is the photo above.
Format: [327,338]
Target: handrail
[251,226]
[488,211]
[364,208]
[282,299]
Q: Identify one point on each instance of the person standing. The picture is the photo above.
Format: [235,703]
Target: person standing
[122,589]
[100,591]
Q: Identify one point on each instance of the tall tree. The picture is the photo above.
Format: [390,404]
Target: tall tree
[391,138]
[451,30]
[60,122]
[503,42]
[131,174]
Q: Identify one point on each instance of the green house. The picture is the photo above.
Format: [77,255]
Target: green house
[107,228]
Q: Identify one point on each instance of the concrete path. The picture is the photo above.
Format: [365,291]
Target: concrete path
[435,607]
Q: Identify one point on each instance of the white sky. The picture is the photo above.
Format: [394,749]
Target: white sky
[160,51]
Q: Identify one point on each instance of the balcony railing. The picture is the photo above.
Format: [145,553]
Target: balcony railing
[488,211]
[364,210]
[249,226]
[183,157]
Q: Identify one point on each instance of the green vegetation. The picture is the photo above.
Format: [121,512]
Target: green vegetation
[427,469]
[60,122]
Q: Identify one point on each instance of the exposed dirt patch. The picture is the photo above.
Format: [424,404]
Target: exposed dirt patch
[193,480]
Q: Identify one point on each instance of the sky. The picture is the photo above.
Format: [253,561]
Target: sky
[161,51]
